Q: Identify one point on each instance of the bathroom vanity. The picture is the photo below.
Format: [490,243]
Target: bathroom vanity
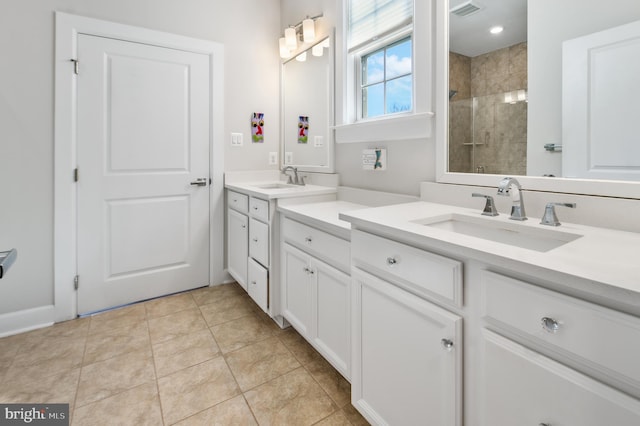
[253,235]
[456,321]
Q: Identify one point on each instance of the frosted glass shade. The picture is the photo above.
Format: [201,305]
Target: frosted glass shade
[308,30]
[290,36]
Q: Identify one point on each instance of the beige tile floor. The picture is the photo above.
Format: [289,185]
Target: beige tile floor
[206,357]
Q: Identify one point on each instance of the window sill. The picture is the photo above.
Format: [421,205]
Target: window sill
[404,127]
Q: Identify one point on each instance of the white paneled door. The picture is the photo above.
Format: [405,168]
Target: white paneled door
[143,168]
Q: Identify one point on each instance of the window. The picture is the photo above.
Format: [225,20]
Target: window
[387,83]
[384,69]
[379,34]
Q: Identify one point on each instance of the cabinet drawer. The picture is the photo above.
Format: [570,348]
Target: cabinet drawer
[258,284]
[259,241]
[327,247]
[522,387]
[601,338]
[419,271]
[259,209]
[238,201]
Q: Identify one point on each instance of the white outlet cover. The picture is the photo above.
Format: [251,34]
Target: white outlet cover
[273,158]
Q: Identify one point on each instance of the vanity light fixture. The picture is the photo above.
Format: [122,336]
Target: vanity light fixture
[304,31]
[496,30]
[301,57]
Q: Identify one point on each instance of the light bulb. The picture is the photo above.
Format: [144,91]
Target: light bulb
[292,39]
[308,30]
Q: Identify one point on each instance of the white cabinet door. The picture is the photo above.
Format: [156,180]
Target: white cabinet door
[523,387]
[297,289]
[238,246]
[332,294]
[407,354]
[258,284]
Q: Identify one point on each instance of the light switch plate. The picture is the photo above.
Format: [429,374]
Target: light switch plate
[288,157]
[236,139]
[318,141]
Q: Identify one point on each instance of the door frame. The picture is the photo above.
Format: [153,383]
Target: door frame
[68,27]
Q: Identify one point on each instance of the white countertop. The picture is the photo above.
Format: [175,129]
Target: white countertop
[323,214]
[254,189]
[601,255]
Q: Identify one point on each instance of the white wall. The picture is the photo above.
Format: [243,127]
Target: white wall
[248,29]
[550,22]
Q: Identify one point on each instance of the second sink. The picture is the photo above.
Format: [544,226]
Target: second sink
[513,234]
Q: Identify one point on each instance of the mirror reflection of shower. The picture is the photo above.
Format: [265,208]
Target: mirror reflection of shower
[488,112]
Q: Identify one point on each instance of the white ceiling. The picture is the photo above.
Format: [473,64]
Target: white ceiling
[469,35]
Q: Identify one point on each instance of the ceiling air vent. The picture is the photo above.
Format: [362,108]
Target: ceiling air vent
[466,8]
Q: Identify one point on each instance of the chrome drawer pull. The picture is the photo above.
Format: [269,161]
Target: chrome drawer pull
[308,239]
[253,282]
[391,261]
[255,240]
[447,344]
[544,424]
[550,325]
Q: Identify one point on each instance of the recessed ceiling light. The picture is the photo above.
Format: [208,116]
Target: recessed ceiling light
[496,30]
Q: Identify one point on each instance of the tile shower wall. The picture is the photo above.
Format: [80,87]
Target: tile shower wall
[486,133]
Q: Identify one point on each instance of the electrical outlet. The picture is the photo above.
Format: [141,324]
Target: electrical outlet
[236,139]
[273,158]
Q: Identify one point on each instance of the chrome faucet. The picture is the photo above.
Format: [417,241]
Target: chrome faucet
[295,179]
[517,209]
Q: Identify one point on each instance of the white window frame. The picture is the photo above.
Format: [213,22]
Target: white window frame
[416,124]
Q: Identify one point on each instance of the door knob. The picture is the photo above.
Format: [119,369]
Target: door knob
[199,182]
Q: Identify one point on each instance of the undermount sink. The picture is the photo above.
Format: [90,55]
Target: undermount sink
[275,185]
[513,234]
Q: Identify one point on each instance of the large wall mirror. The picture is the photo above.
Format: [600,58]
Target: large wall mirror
[307,109]
[506,89]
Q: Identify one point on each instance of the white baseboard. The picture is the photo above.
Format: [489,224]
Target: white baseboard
[26,320]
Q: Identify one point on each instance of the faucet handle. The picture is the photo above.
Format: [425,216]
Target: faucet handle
[489,207]
[550,218]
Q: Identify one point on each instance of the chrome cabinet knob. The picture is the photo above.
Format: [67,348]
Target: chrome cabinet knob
[308,239]
[253,282]
[447,344]
[544,424]
[244,226]
[255,240]
[550,325]
[391,261]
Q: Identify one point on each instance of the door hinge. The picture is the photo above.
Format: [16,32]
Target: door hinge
[75,174]
[76,66]
[76,282]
